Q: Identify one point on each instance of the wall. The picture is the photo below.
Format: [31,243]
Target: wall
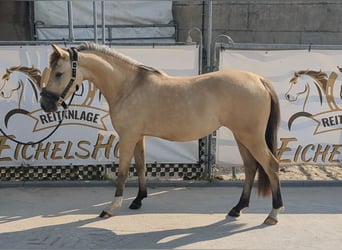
[15,21]
[265,21]
[246,21]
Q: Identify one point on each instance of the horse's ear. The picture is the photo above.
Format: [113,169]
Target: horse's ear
[60,52]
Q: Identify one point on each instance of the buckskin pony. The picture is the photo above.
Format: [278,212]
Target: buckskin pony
[144,101]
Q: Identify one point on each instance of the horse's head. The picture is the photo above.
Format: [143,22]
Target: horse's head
[298,86]
[62,78]
[6,89]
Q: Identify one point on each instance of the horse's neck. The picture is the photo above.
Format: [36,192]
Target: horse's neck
[109,76]
[21,92]
[321,90]
[315,82]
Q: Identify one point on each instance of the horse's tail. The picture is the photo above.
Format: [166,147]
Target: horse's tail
[264,186]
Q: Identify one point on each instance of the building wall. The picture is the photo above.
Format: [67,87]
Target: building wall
[15,21]
[264,21]
[245,21]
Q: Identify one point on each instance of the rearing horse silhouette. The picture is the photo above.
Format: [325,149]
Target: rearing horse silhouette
[7,89]
[33,76]
[300,84]
[144,101]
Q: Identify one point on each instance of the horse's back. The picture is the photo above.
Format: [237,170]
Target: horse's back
[233,86]
[231,98]
[240,99]
[236,79]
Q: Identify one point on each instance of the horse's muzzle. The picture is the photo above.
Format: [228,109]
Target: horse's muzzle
[48,101]
[290,98]
[48,105]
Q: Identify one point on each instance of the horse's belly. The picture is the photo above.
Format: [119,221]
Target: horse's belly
[183,136]
[183,130]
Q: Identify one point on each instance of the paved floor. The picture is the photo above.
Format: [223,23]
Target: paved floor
[184,218]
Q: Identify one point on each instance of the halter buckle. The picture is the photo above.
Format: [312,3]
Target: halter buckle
[74,64]
[62,103]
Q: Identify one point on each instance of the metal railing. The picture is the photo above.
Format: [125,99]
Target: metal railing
[103,33]
[109,36]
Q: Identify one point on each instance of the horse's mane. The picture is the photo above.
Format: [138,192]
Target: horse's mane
[33,72]
[34,77]
[319,76]
[111,52]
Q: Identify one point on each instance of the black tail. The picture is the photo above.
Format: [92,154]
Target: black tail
[264,186]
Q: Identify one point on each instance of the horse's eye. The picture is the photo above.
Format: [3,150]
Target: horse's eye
[58,74]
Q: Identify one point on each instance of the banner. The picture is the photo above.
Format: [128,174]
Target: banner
[309,87]
[86,135]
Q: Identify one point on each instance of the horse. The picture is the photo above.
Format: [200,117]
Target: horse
[144,101]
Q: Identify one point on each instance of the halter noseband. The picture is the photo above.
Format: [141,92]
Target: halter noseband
[60,98]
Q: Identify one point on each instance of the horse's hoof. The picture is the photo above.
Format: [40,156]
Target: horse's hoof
[270,221]
[234,213]
[135,205]
[105,214]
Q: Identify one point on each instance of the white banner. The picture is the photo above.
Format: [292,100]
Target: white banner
[86,135]
[309,88]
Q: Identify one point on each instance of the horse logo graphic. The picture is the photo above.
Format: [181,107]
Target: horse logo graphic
[20,87]
[10,88]
[314,91]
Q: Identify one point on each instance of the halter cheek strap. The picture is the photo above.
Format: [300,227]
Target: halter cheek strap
[60,99]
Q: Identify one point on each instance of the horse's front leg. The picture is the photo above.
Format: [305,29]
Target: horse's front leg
[126,154]
[140,164]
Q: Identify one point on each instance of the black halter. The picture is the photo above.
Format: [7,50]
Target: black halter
[60,98]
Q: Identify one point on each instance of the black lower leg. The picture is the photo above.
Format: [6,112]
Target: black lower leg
[136,204]
[236,211]
[277,201]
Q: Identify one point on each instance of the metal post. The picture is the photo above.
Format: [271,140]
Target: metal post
[103,22]
[230,41]
[189,39]
[71,22]
[209,33]
[209,68]
[234,173]
[95,20]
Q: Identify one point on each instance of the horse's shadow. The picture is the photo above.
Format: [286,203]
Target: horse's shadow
[169,239]
[81,235]
[85,230]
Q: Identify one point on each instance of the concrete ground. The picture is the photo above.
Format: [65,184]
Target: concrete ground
[37,217]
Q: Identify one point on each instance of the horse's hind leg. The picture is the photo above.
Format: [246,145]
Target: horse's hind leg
[270,166]
[140,164]
[250,169]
